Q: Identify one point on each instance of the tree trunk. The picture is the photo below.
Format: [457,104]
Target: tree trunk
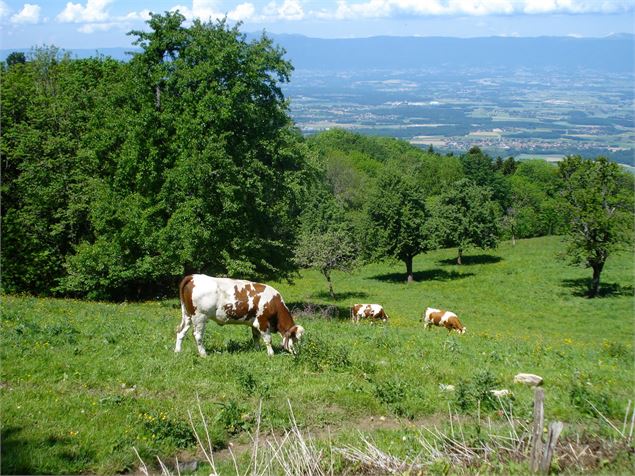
[328,279]
[458,259]
[595,283]
[409,272]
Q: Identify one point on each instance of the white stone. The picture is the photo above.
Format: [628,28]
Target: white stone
[528,379]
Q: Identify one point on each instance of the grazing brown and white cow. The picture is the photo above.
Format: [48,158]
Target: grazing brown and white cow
[234,301]
[368,311]
[442,318]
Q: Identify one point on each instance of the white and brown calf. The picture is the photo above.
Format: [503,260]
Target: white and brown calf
[368,311]
[234,301]
[447,319]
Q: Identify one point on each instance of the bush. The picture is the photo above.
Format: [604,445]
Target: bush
[161,428]
[318,355]
[584,399]
[234,418]
[469,393]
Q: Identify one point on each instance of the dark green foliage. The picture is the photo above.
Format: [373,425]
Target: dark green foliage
[15,57]
[465,216]
[535,201]
[397,217]
[120,177]
[480,169]
[599,205]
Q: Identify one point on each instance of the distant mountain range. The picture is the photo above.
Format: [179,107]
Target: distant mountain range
[614,53]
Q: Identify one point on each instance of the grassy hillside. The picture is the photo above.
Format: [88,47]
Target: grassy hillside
[83,382]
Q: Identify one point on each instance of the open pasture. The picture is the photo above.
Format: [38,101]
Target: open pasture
[82,383]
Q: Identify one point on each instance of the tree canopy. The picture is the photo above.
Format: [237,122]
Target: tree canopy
[466,216]
[599,205]
[130,174]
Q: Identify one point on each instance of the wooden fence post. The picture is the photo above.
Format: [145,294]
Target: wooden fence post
[555,428]
[536,437]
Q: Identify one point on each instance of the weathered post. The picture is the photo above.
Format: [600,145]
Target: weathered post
[536,437]
[555,428]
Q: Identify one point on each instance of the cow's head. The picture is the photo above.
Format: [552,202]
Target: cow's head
[291,337]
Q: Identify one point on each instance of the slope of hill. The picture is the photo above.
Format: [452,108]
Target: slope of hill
[82,383]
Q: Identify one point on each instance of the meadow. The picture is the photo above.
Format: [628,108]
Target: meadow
[83,383]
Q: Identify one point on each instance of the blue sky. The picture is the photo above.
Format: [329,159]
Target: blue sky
[104,23]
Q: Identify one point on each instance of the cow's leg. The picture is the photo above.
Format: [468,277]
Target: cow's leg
[255,335]
[266,336]
[181,331]
[199,333]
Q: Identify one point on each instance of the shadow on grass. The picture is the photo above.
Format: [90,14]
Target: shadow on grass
[472,259]
[340,296]
[16,452]
[310,310]
[428,275]
[580,287]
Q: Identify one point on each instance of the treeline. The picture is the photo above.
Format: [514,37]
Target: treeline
[119,177]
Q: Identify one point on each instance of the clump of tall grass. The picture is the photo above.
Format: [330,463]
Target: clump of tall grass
[495,448]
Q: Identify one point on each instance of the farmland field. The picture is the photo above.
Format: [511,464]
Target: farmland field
[506,112]
[82,383]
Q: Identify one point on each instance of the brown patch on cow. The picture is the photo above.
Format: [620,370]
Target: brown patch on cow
[453,323]
[275,316]
[367,312]
[240,308]
[185,294]
[436,317]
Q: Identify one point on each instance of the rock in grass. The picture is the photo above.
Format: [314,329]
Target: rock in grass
[446,388]
[528,379]
[501,393]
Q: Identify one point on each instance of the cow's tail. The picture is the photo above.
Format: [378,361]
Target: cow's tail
[185,315]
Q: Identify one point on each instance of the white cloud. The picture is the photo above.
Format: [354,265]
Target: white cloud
[348,10]
[94,11]
[244,11]
[142,15]
[30,13]
[288,10]
[4,10]
[291,10]
[202,9]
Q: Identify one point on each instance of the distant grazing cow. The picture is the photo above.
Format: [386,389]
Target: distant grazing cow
[234,301]
[446,319]
[368,311]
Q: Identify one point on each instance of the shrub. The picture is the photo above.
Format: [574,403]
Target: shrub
[234,418]
[162,428]
[319,355]
[469,393]
[584,399]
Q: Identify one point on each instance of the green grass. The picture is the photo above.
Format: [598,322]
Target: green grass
[84,382]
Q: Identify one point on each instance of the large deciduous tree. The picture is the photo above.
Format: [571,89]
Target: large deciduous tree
[123,176]
[466,216]
[599,205]
[397,217]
